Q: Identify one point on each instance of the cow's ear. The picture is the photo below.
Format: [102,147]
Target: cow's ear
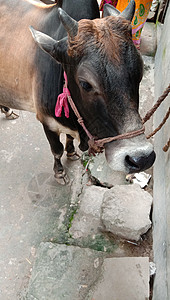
[110,10]
[127,13]
[56,49]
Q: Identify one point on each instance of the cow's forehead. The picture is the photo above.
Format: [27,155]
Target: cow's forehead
[105,35]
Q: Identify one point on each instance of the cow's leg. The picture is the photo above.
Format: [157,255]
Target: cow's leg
[71,153]
[57,150]
[10,115]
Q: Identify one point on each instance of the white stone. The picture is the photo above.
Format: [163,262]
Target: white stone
[125,211]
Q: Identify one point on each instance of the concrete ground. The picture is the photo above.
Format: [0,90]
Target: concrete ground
[39,258]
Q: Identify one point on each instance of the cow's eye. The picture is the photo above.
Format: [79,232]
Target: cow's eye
[86,86]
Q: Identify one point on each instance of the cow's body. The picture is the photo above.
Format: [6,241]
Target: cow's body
[31,80]
[22,67]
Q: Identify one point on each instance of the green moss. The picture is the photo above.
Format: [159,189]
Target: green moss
[98,242]
[71,218]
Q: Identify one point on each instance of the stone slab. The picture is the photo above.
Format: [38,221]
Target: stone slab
[63,272]
[125,278]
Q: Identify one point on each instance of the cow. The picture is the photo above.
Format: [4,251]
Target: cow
[103,70]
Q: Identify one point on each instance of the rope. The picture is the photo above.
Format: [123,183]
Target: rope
[151,112]
[126,135]
[97,146]
[79,118]
[166,147]
[160,125]
[157,104]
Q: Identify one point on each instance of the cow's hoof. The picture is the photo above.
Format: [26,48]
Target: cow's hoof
[10,115]
[62,178]
[73,156]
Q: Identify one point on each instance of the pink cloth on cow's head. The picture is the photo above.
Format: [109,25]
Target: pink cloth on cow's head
[62,101]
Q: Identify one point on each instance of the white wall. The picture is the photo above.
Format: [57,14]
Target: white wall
[161,208]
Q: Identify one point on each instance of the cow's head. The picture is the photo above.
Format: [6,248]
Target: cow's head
[104,70]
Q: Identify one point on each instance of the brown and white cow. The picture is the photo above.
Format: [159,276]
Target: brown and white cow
[103,68]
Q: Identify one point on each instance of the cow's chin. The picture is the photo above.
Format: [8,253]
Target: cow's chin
[131,155]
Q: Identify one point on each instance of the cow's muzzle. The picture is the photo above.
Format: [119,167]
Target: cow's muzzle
[130,156]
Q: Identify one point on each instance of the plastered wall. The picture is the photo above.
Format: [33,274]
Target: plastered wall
[161,207]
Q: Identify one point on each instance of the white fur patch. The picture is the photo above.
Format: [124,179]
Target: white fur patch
[55,126]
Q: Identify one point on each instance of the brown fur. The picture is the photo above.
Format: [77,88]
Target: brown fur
[104,34]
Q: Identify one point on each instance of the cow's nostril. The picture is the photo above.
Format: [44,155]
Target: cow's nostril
[139,163]
[131,162]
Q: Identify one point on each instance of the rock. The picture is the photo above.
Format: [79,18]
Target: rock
[100,170]
[87,219]
[125,211]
